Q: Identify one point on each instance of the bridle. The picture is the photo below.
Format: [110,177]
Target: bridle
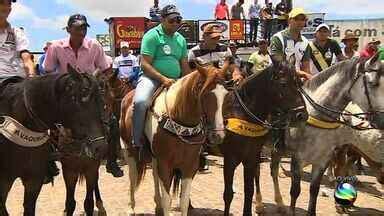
[280,123]
[86,142]
[326,110]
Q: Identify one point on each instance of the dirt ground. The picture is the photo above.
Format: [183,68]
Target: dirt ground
[206,194]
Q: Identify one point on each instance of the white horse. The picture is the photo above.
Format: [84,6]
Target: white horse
[332,90]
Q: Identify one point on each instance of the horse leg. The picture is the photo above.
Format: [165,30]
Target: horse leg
[99,201]
[317,174]
[186,185]
[165,180]
[249,175]
[339,162]
[32,187]
[259,198]
[295,185]
[157,197]
[70,179]
[133,181]
[91,177]
[5,187]
[275,161]
[332,170]
[229,171]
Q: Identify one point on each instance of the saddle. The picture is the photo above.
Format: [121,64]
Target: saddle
[9,80]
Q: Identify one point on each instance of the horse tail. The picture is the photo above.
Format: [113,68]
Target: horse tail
[176,181]
[141,167]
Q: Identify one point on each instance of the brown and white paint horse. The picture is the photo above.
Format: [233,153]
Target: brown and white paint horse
[182,102]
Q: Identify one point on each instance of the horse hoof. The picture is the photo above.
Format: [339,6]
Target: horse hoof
[260,209]
[100,206]
[131,211]
[290,212]
[282,210]
[159,211]
[101,213]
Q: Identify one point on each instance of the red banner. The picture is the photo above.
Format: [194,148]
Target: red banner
[129,29]
[236,30]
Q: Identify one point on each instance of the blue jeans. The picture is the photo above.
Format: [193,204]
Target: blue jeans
[145,89]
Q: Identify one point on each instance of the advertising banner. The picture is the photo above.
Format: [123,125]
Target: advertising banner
[129,29]
[236,30]
[365,29]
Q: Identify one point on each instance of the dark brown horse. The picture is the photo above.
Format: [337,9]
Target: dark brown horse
[246,112]
[69,100]
[113,90]
[172,153]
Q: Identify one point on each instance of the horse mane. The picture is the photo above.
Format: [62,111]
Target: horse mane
[187,101]
[249,82]
[339,67]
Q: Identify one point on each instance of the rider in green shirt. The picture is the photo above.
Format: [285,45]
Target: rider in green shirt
[164,59]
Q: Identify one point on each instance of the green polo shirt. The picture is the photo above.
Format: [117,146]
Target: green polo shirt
[166,51]
[381,56]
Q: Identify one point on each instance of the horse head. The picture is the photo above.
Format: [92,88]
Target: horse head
[368,92]
[212,98]
[285,92]
[81,110]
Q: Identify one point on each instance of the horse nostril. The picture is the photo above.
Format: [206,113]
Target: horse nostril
[301,116]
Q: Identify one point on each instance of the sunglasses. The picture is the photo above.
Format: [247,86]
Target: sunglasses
[175,20]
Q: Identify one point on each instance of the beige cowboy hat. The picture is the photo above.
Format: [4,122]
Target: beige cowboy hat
[349,36]
[213,30]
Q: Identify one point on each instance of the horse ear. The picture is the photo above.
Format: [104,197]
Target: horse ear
[74,73]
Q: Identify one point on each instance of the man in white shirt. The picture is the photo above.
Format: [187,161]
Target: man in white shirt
[126,65]
[15,59]
[254,15]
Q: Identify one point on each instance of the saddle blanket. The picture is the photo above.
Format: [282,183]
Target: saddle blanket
[17,133]
[244,128]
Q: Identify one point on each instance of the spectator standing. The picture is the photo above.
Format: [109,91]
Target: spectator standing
[323,49]
[350,40]
[237,11]
[221,11]
[254,14]
[40,69]
[260,59]
[154,11]
[281,12]
[126,65]
[267,19]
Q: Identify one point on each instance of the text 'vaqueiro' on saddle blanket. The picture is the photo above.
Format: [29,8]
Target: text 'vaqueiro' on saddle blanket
[17,133]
